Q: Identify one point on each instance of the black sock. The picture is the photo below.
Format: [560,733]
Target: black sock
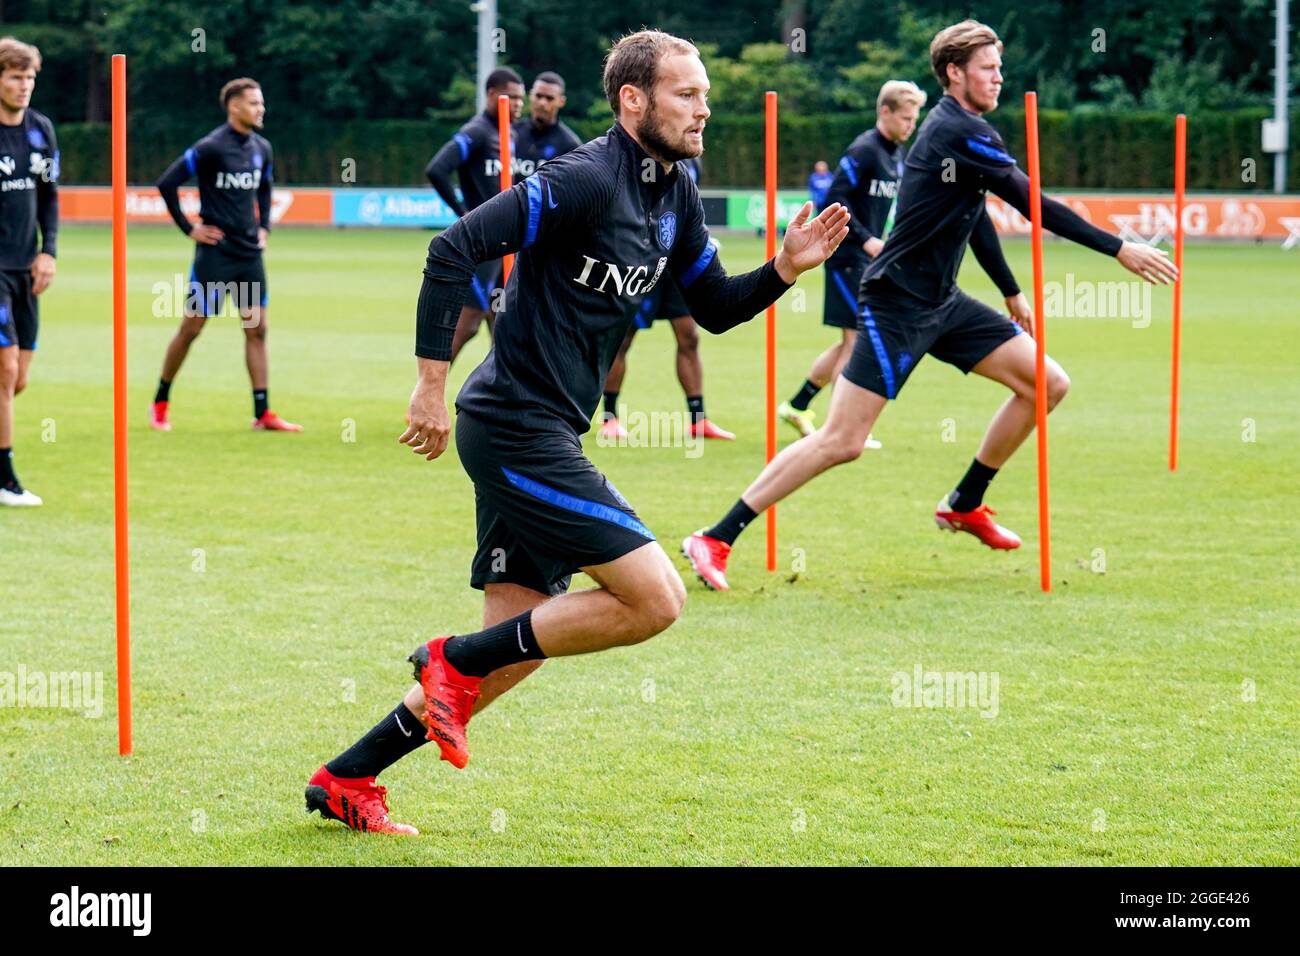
[259,402]
[695,405]
[805,395]
[969,493]
[480,653]
[611,406]
[7,476]
[386,743]
[729,528]
[164,392]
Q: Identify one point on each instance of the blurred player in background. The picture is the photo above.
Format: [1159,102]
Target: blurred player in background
[542,136]
[29,201]
[474,155]
[910,305]
[866,181]
[818,183]
[233,166]
[666,303]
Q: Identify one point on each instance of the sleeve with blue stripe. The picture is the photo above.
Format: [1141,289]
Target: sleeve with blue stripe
[718,302]
[185,168]
[845,189]
[562,196]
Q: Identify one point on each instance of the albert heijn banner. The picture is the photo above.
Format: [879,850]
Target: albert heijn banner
[306,207]
[1145,218]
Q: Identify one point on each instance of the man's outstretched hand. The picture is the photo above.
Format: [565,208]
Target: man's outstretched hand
[810,242]
[1148,262]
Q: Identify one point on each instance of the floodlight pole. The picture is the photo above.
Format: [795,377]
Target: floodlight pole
[1281,78]
[487,54]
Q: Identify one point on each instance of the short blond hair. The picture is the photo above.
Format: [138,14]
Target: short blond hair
[17,55]
[898,93]
[957,44]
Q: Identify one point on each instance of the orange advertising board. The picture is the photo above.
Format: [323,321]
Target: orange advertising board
[144,204]
[1151,218]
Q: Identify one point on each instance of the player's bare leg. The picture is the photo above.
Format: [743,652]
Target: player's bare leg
[854,411]
[826,368]
[24,363]
[253,322]
[611,429]
[8,385]
[256,357]
[690,369]
[179,346]
[1011,363]
[500,603]
[639,595]
[690,373]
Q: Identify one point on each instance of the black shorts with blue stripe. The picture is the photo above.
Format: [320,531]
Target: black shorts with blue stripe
[840,304]
[217,275]
[665,302]
[19,310]
[543,510]
[897,329]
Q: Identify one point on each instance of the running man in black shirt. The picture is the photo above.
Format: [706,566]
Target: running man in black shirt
[910,305]
[233,165]
[474,155]
[596,230]
[867,182]
[542,136]
[29,200]
[666,302]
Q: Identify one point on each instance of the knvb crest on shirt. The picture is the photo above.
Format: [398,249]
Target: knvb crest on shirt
[667,229]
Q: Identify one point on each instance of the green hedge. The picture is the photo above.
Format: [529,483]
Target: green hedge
[1080,149]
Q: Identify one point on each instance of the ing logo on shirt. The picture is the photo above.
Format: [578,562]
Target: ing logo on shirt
[884,187]
[241,180]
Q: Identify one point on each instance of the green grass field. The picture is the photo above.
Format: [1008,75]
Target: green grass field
[1146,715]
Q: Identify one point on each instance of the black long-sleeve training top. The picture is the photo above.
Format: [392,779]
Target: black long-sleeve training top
[596,230]
[537,145]
[233,170]
[958,156]
[474,154]
[866,181]
[29,192]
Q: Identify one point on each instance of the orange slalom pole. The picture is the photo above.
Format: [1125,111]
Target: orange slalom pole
[120,524]
[1040,341]
[769,138]
[1180,185]
[503,134]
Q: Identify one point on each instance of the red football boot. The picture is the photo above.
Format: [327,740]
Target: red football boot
[158,417]
[708,557]
[448,700]
[271,422]
[358,804]
[706,429]
[979,523]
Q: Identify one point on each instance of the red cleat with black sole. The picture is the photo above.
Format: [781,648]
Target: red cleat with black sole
[359,804]
[449,698]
